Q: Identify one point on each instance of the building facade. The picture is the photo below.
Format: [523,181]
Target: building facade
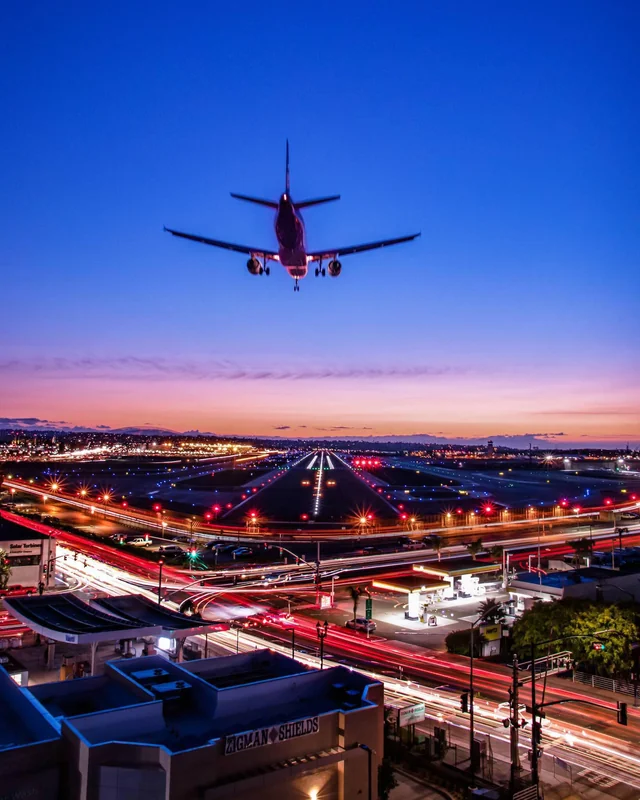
[245,726]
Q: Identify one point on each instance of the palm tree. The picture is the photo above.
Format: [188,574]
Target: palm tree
[491,611]
[474,548]
[582,548]
[436,543]
[497,552]
[356,593]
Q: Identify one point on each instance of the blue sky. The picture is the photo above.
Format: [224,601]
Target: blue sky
[507,135]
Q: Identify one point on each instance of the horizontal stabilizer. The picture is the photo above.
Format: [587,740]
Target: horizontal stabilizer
[318,201]
[257,200]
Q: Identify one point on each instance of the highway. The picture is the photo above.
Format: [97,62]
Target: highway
[582,735]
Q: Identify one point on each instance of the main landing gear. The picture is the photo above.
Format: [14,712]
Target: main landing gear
[320,270]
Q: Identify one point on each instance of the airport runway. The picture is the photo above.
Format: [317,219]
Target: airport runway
[320,488]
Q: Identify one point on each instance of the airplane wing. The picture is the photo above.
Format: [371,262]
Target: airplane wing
[358,248]
[237,248]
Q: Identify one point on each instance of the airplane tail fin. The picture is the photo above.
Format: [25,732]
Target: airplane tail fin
[286,179]
[257,200]
[317,201]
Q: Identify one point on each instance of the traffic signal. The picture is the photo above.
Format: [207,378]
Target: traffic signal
[622,713]
[193,553]
[464,702]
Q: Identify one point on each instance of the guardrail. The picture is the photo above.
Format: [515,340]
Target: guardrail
[609,684]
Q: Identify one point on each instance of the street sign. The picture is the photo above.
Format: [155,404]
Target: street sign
[368,608]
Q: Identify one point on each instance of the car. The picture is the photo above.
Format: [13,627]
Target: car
[140,541]
[372,551]
[282,618]
[361,624]
[629,515]
[414,545]
[242,552]
[276,577]
[172,550]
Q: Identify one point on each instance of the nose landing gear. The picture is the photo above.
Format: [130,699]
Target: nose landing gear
[296,288]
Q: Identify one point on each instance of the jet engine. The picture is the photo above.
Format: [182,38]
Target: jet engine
[254,266]
[335,268]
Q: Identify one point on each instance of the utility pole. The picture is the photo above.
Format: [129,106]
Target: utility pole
[515,725]
[535,725]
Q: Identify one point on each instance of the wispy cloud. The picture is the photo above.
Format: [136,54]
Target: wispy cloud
[158,369]
[597,411]
[282,428]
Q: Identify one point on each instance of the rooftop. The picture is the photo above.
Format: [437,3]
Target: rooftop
[65,618]
[10,532]
[455,567]
[138,609]
[20,722]
[182,707]
[562,579]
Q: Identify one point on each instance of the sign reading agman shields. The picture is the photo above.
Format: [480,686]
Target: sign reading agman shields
[271,735]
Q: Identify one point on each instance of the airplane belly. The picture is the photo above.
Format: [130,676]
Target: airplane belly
[297,272]
[293,259]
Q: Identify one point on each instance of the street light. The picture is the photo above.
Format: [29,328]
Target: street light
[160,565]
[321,630]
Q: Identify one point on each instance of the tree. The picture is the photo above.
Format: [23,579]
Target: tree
[497,552]
[582,548]
[437,543]
[572,616]
[474,548]
[5,570]
[386,779]
[356,593]
[459,642]
[491,611]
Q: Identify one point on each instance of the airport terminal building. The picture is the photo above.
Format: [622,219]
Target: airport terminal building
[245,726]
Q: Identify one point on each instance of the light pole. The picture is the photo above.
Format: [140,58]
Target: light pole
[293,642]
[472,755]
[321,630]
[160,565]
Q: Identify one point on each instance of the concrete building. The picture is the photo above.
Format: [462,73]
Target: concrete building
[245,726]
[587,583]
[28,553]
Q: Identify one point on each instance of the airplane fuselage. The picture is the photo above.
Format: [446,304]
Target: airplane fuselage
[289,228]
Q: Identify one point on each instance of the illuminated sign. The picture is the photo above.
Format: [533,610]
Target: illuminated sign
[272,735]
[411,715]
[22,548]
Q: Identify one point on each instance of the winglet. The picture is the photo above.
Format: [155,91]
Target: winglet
[286,182]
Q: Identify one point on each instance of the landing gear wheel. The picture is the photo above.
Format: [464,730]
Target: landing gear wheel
[267,271]
[324,272]
[260,271]
[317,272]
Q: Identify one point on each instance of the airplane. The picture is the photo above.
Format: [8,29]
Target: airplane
[290,233]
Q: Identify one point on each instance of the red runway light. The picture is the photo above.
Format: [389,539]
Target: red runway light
[607,502]
[157,507]
[304,516]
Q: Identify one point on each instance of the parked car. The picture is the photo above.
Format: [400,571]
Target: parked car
[372,551]
[361,624]
[242,552]
[140,541]
[172,550]
[413,545]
